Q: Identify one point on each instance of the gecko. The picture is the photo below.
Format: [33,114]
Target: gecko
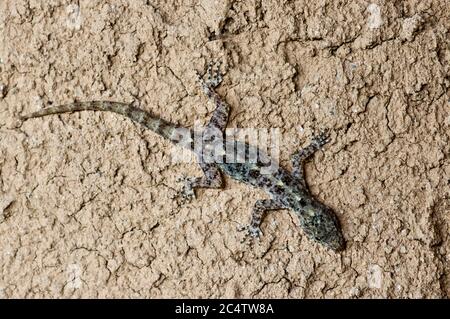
[287,190]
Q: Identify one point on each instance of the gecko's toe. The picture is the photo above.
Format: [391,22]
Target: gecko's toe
[322,138]
[250,232]
[213,73]
[185,198]
[186,194]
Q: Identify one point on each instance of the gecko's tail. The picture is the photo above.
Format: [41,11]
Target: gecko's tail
[159,126]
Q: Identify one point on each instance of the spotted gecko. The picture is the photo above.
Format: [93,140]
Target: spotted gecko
[287,190]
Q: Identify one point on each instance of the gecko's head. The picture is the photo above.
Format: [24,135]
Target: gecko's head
[320,224]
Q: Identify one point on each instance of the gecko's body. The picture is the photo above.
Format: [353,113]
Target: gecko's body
[287,190]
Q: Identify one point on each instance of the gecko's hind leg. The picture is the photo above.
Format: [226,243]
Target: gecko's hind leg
[219,118]
[211,179]
[298,159]
[261,206]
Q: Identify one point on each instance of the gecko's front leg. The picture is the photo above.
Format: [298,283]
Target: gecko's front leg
[219,118]
[261,206]
[211,179]
[298,159]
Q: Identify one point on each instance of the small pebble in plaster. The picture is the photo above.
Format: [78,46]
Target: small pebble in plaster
[375,21]
[374,277]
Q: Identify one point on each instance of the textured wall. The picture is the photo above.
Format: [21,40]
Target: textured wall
[87,204]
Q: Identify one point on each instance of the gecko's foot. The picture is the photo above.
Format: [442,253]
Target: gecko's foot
[187,192]
[321,139]
[214,76]
[250,232]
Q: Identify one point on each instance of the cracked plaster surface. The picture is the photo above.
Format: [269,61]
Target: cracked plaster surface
[87,203]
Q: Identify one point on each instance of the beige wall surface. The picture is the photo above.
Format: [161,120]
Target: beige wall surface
[88,204]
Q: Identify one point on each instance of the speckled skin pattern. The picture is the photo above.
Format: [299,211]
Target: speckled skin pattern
[287,190]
